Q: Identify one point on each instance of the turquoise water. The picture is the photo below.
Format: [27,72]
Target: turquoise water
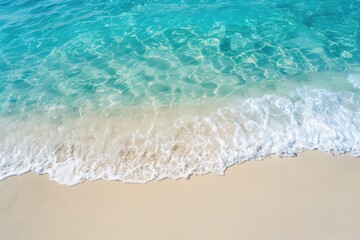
[142,90]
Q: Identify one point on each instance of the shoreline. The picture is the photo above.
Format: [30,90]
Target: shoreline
[312,196]
[171,144]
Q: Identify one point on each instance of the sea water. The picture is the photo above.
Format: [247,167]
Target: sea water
[143,90]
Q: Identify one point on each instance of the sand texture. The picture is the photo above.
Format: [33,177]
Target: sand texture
[313,196]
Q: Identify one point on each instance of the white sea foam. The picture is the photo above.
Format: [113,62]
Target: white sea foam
[176,145]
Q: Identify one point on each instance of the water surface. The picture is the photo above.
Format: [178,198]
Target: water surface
[142,90]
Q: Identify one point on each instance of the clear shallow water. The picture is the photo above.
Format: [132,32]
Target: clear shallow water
[142,90]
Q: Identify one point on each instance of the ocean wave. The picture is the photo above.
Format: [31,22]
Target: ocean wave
[173,144]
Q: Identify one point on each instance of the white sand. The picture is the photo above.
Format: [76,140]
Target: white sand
[313,196]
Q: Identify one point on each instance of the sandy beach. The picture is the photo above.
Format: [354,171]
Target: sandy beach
[313,196]
[119,120]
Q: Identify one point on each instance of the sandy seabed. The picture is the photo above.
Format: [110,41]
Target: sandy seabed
[313,196]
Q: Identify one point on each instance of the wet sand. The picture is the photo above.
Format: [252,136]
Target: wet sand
[312,196]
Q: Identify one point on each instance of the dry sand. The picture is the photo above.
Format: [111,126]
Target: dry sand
[312,196]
